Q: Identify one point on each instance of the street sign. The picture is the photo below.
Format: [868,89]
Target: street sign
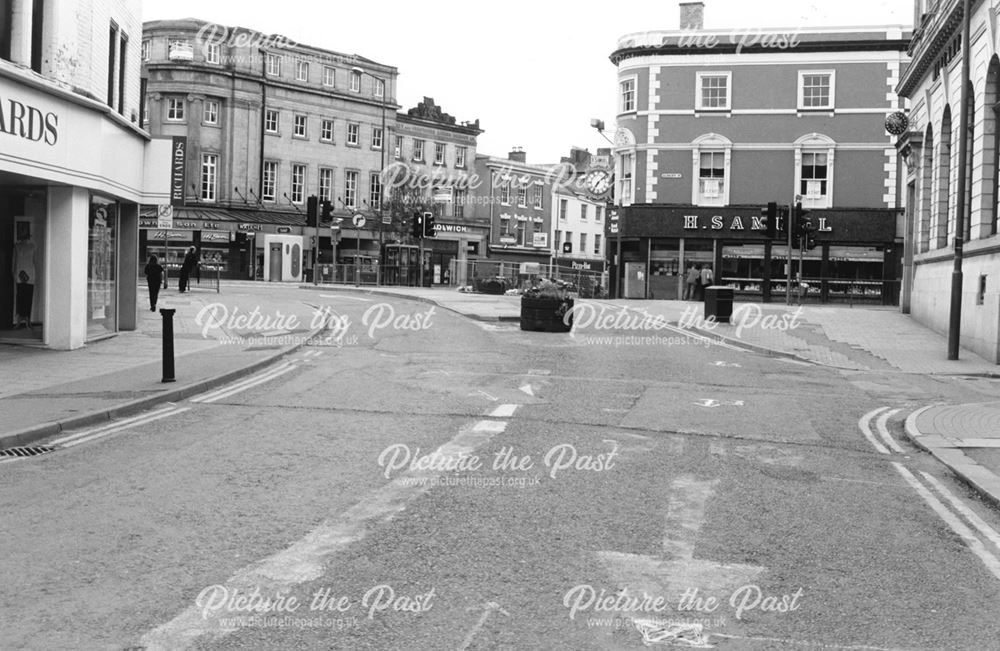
[165,216]
[442,197]
[387,219]
[359,221]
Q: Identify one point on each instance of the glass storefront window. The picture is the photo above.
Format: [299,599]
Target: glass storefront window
[102,267]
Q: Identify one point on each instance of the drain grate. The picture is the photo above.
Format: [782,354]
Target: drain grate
[26,451]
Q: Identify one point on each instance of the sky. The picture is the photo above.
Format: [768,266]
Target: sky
[533,72]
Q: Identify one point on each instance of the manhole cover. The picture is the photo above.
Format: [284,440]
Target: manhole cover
[26,451]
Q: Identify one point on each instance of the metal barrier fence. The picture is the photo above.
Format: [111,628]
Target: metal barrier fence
[495,277]
[206,276]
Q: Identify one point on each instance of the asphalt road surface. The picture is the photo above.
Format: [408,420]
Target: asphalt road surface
[438,483]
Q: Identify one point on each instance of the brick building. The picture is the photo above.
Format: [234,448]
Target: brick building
[714,124]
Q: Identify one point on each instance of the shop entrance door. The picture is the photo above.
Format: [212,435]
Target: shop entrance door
[276,262]
[635,280]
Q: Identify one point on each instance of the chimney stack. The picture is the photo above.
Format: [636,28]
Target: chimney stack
[518,155]
[692,15]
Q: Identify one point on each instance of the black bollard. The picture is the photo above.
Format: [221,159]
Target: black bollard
[168,344]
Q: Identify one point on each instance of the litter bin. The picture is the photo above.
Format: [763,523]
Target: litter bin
[719,303]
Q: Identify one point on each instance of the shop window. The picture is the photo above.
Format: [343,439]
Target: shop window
[102,261]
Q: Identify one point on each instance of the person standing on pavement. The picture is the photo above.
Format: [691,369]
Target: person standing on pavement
[189,265]
[707,278]
[154,278]
[692,281]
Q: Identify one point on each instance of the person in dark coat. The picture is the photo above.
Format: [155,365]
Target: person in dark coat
[154,278]
[189,265]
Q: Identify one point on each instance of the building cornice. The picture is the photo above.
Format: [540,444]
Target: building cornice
[737,49]
[928,42]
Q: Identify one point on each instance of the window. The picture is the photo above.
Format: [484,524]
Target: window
[326,131]
[379,88]
[211,112]
[273,65]
[563,208]
[270,181]
[597,244]
[461,197]
[519,232]
[569,240]
[628,167]
[376,137]
[814,159]
[302,70]
[583,243]
[209,176]
[144,51]
[271,121]
[353,134]
[418,150]
[329,76]
[459,156]
[351,189]
[505,224]
[598,213]
[522,195]
[505,193]
[355,81]
[816,89]
[180,50]
[299,126]
[145,113]
[438,153]
[538,197]
[298,183]
[627,95]
[713,91]
[213,53]
[583,211]
[175,109]
[117,46]
[712,177]
[375,193]
[399,146]
[326,184]
[814,169]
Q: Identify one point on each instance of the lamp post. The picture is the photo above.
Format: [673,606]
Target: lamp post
[620,221]
[381,197]
[955,313]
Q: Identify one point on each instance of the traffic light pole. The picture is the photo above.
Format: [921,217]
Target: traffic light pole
[798,277]
[788,265]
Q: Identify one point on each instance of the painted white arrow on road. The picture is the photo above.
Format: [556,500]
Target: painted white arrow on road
[487,608]
[527,389]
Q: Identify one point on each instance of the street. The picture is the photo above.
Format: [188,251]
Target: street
[413,479]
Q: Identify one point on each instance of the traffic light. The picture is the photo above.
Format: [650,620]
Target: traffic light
[809,236]
[326,210]
[417,225]
[782,226]
[800,224]
[769,216]
[312,211]
[430,228]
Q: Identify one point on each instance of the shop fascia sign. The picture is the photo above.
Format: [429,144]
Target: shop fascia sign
[452,228]
[738,223]
[28,122]
[250,227]
[179,223]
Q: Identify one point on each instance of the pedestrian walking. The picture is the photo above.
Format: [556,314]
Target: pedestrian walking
[154,278]
[189,265]
[705,280]
[690,289]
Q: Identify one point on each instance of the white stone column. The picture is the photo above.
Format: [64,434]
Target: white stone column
[20,33]
[66,268]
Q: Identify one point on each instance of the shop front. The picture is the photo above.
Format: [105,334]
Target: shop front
[857,258]
[69,215]
[230,242]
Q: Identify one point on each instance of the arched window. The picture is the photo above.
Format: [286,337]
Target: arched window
[991,151]
[814,170]
[711,158]
[943,169]
[926,183]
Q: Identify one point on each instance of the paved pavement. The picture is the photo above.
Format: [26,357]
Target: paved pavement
[43,392]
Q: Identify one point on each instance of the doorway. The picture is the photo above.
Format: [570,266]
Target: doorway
[635,280]
[276,262]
